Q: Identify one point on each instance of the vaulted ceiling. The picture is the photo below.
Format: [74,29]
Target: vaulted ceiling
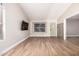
[37,11]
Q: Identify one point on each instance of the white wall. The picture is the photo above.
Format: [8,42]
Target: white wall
[43,34]
[72,27]
[14,16]
[32,33]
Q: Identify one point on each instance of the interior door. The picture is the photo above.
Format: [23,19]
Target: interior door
[53,29]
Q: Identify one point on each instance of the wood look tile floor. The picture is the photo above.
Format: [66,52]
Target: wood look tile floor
[47,46]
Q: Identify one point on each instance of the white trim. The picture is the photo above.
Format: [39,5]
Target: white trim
[56,28]
[72,15]
[72,35]
[64,27]
[39,35]
[14,45]
[43,36]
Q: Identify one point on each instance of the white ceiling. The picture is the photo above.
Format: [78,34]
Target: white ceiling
[41,11]
[57,10]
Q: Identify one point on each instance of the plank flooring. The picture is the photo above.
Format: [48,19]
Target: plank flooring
[46,46]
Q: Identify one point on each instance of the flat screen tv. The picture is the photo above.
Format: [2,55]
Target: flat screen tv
[24,25]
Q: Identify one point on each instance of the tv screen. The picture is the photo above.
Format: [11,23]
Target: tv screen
[24,25]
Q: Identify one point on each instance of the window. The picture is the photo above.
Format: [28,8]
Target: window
[39,27]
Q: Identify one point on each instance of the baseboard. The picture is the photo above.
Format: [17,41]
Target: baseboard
[72,35]
[53,36]
[39,36]
[42,36]
[13,46]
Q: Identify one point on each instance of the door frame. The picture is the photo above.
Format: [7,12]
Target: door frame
[65,25]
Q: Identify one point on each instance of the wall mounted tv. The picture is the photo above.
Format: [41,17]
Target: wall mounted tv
[24,25]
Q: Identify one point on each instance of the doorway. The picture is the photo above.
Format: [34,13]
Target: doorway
[71,26]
